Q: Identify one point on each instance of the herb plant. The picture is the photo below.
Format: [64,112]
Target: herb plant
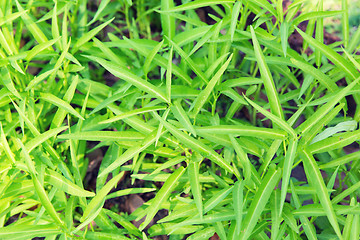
[216,114]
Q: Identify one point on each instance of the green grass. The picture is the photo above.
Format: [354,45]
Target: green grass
[220,114]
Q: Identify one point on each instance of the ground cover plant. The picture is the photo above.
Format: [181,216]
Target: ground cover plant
[234,134]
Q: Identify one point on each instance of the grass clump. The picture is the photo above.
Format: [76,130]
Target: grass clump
[217,116]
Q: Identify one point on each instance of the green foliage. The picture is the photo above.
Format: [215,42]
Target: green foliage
[222,112]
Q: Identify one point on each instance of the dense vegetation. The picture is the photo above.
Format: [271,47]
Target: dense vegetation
[203,103]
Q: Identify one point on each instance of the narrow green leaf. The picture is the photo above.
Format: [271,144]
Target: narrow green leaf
[166,228]
[169,75]
[242,130]
[226,215]
[276,120]
[6,146]
[189,61]
[270,89]
[234,19]
[313,174]
[246,165]
[204,95]
[129,191]
[40,78]
[48,97]
[341,161]
[206,37]
[61,113]
[33,143]
[325,80]
[25,231]
[345,22]
[333,56]
[197,145]
[259,202]
[348,223]
[316,15]
[319,33]
[197,4]
[130,153]
[11,17]
[169,163]
[162,196]
[123,222]
[60,182]
[40,47]
[39,189]
[275,214]
[128,76]
[89,35]
[290,219]
[104,136]
[203,234]
[182,117]
[325,120]
[238,201]
[138,45]
[54,25]
[103,4]
[322,111]
[133,113]
[284,33]
[8,82]
[150,56]
[32,26]
[328,132]
[288,164]
[266,6]
[167,21]
[109,53]
[309,228]
[98,201]
[234,96]
[193,172]
[354,41]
